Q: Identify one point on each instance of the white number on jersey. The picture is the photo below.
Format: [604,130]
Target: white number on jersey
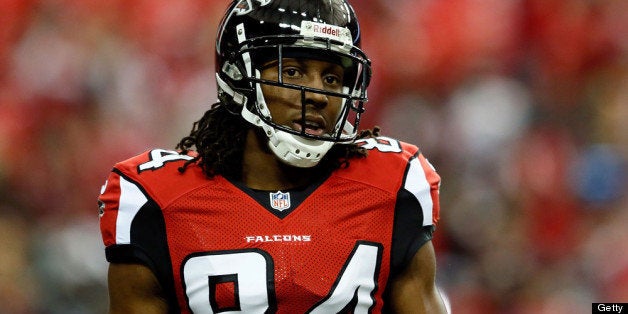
[247,269]
[357,279]
[158,157]
[382,143]
[251,273]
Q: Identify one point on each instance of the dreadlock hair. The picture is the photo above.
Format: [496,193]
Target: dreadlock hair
[219,138]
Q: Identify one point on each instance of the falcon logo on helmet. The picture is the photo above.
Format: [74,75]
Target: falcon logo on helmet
[244,7]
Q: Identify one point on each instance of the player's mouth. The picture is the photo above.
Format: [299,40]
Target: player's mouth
[312,126]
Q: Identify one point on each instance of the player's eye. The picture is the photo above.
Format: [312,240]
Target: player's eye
[291,73]
[332,80]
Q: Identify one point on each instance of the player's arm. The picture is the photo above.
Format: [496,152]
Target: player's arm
[133,288]
[414,290]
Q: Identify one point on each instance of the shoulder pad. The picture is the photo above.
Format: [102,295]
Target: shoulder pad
[157,172]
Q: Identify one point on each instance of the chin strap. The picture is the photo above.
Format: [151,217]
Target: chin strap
[298,151]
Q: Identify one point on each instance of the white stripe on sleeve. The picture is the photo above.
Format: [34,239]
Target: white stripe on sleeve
[417,184]
[131,200]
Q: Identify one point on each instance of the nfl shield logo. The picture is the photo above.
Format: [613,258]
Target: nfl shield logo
[280,201]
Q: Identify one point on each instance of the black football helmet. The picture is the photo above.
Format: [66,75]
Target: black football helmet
[254,32]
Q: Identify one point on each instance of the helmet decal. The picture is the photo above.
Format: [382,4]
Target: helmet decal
[315,29]
[246,6]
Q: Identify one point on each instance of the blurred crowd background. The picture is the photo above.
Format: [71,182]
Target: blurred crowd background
[522,106]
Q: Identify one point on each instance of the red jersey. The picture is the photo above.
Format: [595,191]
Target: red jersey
[216,245]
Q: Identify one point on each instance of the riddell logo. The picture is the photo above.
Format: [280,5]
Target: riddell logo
[315,29]
[329,30]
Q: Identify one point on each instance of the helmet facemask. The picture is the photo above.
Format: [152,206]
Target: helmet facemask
[239,78]
[349,101]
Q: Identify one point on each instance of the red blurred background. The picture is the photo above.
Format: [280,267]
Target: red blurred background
[522,106]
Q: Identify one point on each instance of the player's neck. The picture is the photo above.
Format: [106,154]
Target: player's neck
[262,170]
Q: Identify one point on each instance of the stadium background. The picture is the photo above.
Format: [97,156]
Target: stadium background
[522,105]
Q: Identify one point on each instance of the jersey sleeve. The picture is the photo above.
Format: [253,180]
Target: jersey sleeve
[423,183]
[416,211]
[132,221]
[131,224]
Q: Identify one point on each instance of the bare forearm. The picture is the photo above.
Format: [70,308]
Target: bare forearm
[134,289]
[414,290]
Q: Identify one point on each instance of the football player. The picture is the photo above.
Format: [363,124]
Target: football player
[275,202]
